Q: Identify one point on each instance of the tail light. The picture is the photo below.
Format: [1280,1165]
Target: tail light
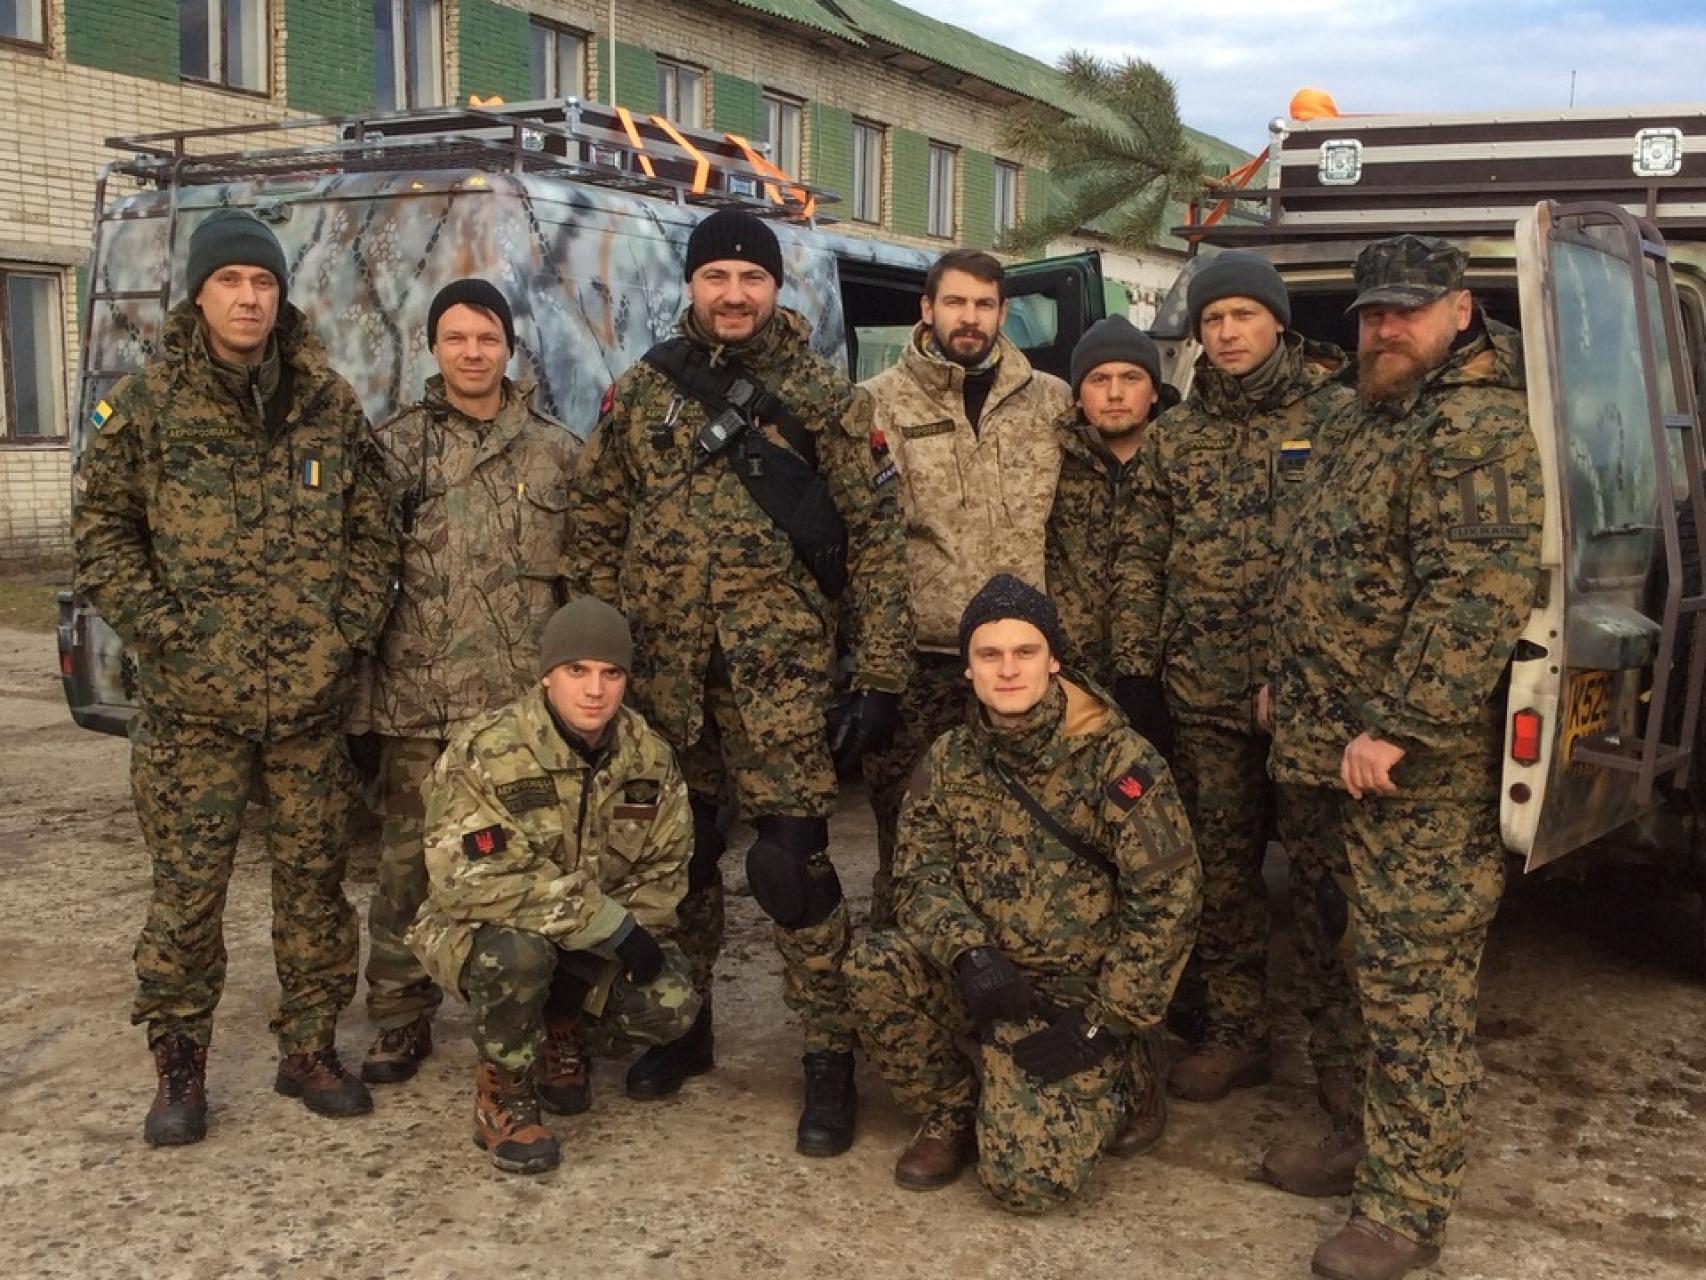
[1525,736]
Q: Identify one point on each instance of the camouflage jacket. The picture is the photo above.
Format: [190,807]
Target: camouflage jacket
[244,552]
[484,531]
[1092,500]
[973,868]
[1410,573]
[525,831]
[675,541]
[1218,479]
[976,502]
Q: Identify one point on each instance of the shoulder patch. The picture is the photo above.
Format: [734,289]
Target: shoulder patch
[609,402]
[1126,790]
[485,842]
[98,418]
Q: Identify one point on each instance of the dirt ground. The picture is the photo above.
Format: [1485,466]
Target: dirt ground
[1589,1163]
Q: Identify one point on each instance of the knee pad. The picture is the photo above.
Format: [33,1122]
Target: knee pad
[791,881]
[708,844]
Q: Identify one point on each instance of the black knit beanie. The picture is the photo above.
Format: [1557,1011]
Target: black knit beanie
[471,292]
[734,234]
[1238,274]
[234,238]
[586,628]
[1115,339]
[1004,596]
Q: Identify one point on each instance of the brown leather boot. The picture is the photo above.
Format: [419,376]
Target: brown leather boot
[506,1122]
[325,1087]
[1319,1169]
[397,1053]
[1367,1250]
[1146,1102]
[1215,1070]
[939,1152]
[564,1085]
[1336,1087]
[179,1114]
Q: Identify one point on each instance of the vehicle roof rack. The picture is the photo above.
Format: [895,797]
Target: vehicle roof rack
[565,137]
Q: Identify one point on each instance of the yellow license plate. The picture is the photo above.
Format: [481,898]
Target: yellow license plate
[1589,708]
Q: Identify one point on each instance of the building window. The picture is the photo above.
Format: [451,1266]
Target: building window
[32,356]
[23,21]
[1006,197]
[941,221]
[408,54]
[681,93]
[867,196]
[559,61]
[782,129]
[223,42]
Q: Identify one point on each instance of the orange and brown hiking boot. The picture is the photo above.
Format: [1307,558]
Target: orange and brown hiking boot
[507,1125]
[319,1079]
[564,1086]
[179,1114]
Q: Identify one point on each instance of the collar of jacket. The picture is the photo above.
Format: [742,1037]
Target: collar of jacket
[1081,440]
[1493,358]
[182,347]
[1070,714]
[1293,370]
[238,379]
[764,351]
[944,382]
[493,436]
[556,755]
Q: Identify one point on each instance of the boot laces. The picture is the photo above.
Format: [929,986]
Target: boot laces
[823,1073]
[398,1039]
[568,1054]
[943,1126]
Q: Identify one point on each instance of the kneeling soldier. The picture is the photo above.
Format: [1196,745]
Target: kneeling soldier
[1046,892]
[558,835]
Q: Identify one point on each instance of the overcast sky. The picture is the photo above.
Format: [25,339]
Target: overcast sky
[1237,62]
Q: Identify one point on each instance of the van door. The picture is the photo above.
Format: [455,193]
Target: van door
[1602,710]
[1050,304]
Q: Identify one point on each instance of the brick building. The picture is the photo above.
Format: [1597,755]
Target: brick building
[897,112]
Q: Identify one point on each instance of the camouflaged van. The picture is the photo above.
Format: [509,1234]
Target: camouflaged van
[579,213]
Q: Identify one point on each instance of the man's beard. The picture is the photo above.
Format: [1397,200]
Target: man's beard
[986,344]
[1391,380]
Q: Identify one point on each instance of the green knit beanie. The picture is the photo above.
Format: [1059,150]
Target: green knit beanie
[586,628]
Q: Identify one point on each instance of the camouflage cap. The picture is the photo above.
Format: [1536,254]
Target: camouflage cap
[1407,271]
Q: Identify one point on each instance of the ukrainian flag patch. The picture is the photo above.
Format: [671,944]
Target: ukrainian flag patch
[1294,458]
[311,473]
[102,412]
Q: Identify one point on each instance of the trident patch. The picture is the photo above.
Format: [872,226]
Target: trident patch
[1127,789]
[485,842]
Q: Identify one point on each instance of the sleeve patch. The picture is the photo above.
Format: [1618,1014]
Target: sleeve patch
[609,402]
[98,418]
[1126,790]
[485,842]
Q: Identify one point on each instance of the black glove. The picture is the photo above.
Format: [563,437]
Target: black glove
[364,753]
[865,721]
[1064,1048]
[640,955]
[993,987]
[1145,705]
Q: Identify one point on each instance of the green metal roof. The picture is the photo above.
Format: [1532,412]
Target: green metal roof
[951,46]
[807,13]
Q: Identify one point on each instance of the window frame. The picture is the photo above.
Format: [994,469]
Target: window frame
[8,393]
[673,68]
[221,83]
[933,149]
[783,103]
[22,44]
[403,51]
[1005,224]
[879,153]
[556,31]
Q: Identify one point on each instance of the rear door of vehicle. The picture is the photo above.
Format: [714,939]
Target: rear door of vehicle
[1050,303]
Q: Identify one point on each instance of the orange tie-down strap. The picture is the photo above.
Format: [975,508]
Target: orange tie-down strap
[777,194]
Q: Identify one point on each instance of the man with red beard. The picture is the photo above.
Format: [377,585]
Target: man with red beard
[1409,574]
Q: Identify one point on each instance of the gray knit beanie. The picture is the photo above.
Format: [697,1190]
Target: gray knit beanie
[1115,338]
[1237,273]
[234,238]
[586,628]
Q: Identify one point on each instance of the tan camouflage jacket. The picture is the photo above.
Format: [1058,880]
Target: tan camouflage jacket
[245,564]
[973,868]
[1092,500]
[522,830]
[677,543]
[1218,478]
[976,502]
[1409,576]
[483,542]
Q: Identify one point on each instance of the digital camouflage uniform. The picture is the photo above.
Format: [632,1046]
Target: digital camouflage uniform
[974,869]
[1409,576]
[484,517]
[239,544]
[733,638]
[1218,480]
[541,857]
[976,503]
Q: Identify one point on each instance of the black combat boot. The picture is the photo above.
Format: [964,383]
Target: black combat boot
[826,1122]
[660,1071]
[179,1114]
[397,1053]
[565,1072]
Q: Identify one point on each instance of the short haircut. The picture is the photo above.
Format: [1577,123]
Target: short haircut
[974,262]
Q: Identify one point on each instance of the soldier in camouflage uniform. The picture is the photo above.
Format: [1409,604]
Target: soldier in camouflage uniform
[482,478]
[1217,479]
[1046,888]
[558,834]
[232,527]
[1407,580]
[733,635]
[969,427]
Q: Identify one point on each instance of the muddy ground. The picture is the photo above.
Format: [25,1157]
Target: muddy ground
[1590,1161]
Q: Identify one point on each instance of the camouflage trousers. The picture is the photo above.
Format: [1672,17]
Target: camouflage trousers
[1311,828]
[398,989]
[191,785]
[789,778]
[1223,780]
[935,701]
[512,977]
[1037,1143]
[1425,880]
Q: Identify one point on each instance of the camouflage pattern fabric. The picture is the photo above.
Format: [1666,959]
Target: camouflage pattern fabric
[512,975]
[398,989]
[191,783]
[976,502]
[242,549]
[937,698]
[1311,825]
[1092,507]
[1037,1144]
[527,832]
[484,531]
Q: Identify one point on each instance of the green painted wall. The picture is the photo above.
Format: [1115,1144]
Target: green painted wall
[832,152]
[495,51]
[910,182]
[737,106]
[135,37]
[977,199]
[636,77]
[328,59]
[1037,193]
